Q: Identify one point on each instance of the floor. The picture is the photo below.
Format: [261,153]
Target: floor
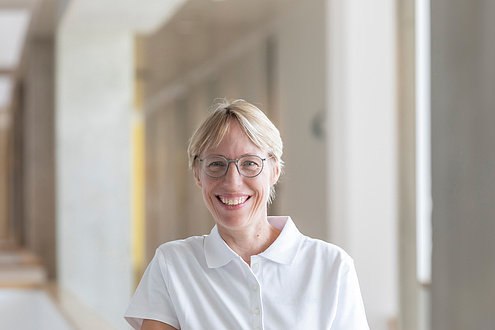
[30,309]
[28,301]
[25,303]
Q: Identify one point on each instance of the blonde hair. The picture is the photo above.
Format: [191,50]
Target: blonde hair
[259,129]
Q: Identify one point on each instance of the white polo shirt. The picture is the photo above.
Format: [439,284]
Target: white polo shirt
[297,283]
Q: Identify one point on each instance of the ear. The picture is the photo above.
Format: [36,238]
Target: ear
[197,176]
[275,173]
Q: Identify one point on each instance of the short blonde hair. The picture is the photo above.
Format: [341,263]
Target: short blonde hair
[259,129]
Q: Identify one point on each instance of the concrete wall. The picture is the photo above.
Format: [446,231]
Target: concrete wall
[94,95]
[363,147]
[463,160]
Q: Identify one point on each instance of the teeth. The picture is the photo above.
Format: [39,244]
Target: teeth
[232,202]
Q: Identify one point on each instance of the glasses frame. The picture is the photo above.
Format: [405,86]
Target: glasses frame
[236,162]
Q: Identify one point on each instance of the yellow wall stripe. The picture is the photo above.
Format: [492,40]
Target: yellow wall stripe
[138,227]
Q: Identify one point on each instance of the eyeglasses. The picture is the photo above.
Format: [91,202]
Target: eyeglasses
[248,166]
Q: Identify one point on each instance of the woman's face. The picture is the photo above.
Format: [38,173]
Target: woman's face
[237,202]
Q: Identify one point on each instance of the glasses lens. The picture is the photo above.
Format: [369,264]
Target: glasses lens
[215,166]
[250,166]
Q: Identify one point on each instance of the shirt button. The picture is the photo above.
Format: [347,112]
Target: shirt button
[256,267]
[254,287]
[255,311]
[256,328]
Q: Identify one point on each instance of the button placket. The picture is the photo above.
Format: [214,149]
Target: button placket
[256,301]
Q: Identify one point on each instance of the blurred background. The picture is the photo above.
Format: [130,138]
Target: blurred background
[386,109]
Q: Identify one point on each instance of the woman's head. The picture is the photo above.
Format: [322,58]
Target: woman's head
[253,122]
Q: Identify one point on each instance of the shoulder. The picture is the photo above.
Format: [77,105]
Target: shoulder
[181,248]
[182,245]
[182,259]
[325,252]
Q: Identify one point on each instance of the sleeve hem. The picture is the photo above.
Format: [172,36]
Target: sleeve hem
[136,319]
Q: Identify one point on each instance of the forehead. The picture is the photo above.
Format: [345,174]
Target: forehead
[234,143]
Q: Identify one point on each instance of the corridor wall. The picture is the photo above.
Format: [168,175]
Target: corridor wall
[94,103]
[463,164]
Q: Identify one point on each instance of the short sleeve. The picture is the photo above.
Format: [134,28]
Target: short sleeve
[350,307]
[152,299]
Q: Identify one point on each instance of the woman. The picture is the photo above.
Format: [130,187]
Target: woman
[252,271]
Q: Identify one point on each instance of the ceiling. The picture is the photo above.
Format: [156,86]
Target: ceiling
[139,16]
[204,31]
[18,20]
[24,19]
[13,29]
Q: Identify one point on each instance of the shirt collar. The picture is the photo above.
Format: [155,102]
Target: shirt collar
[217,252]
[283,250]
[287,244]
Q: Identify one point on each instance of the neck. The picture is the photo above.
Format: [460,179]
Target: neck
[249,242]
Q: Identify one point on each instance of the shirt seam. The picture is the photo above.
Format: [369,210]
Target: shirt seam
[166,275]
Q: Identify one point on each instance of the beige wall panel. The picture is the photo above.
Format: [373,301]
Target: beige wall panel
[152,174]
[463,164]
[39,153]
[199,219]
[301,83]
[4,182]
[408,285]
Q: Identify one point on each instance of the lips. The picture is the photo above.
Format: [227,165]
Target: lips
[233,201]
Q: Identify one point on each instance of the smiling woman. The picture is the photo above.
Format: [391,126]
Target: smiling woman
[256,126]
[251,271]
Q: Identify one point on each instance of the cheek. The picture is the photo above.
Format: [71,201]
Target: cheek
[207,197]
[263,186]
[207,188]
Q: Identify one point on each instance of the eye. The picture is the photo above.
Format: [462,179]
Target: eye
[217,163]
[251,161]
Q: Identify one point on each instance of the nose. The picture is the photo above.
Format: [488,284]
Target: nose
[232,177]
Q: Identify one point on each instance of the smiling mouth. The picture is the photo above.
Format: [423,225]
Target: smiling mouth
[233,201]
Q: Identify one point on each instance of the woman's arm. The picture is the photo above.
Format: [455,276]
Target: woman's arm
[155,325]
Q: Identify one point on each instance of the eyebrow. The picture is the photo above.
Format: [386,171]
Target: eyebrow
[246,154]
